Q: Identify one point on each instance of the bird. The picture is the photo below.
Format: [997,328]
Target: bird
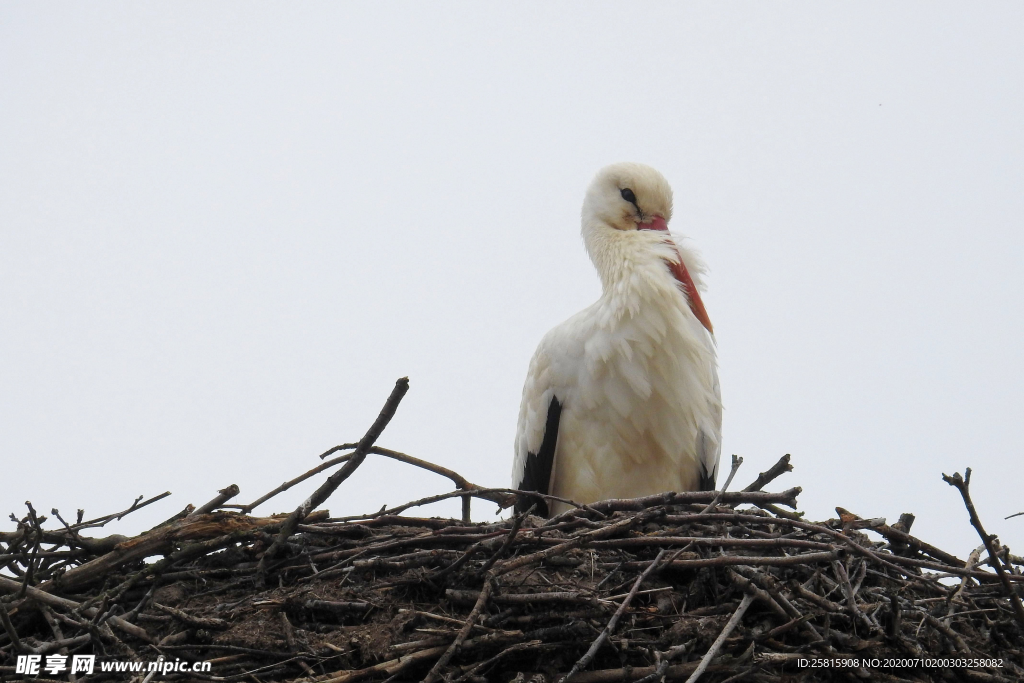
[622,400]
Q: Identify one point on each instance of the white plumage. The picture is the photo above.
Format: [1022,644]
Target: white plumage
[622,399]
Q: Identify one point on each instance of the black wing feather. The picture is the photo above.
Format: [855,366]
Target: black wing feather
[707,479]
[537,471]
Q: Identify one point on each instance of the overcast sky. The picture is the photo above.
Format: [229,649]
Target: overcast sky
[227,228]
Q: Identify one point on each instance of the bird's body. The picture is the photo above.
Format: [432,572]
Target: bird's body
[622,399]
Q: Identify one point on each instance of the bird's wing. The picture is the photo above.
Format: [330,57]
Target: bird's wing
[709,438]
[539,415]
[709,431]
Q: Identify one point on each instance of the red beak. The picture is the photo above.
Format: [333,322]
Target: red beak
[683,276]
[657,223]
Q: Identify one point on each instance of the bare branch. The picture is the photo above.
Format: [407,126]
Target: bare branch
[775,471]
[962,484]
[335,480]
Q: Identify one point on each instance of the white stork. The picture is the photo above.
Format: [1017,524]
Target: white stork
[622,399]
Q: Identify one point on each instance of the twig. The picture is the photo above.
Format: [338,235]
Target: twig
[190,620]
[712,652]
[661,669]
[5,619]
[460,481]
[246,509]
[613,622]
[338,606]
[787,497]
[435,672]
[851,598]
[901,536]
[223,496]
[498,496]
[769,560]
[962,484]
[775,471]
[516,523]
[31,565]
[972,561]
[448,620]
[948,632]
[101,521]
[736,462]
[467,596]
[486,494]
[582,539]
[335,480]
[392,667]
[518,647]
[754,590]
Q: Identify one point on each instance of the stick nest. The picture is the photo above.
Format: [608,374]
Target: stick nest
[679,586]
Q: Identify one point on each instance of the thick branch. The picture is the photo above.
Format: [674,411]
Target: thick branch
[223,496]
[776,470]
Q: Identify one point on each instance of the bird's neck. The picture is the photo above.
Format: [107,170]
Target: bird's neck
[633,269]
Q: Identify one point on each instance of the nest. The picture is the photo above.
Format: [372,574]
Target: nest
[715,586]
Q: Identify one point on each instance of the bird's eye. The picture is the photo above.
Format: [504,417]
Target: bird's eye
[628,195]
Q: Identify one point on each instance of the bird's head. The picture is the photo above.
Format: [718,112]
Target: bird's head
[628,196]
[625,228]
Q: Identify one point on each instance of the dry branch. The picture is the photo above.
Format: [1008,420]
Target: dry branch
[774,472]
[334,481]
[962,484]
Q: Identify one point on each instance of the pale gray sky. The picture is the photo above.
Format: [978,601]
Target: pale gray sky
[226,229]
